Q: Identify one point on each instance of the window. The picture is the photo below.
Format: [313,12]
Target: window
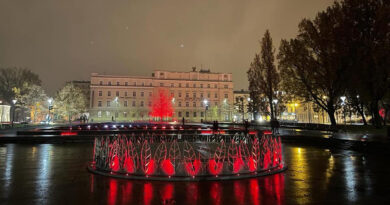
[179,85]
[225,86]
[133,114]
[187,85]
[208,85]
[187,95]
[194,95]
[208,95]
[226,95]
[100,93]
[116,114]
[187,114]
[125,93]
[194,104]
[142,103]
[161,84]
[215,85]
[201,114]
[179,94]
[194,85]
[109,93]
[117,93]
[179,114]
[125,103]
[150,94]
[124,114]
[201,95]
[99,103]
[126,83]
[150,84]
[179,103]
[101,83]
[108,113]
[135,83]
[117,83]
[100,114]
[187,104]
[194,114]
[143,84]
[201,85]
[109,82]
[172,94]
[133,104]
[150,103]
[108,103]
[172,85]
[142,94]
[216,95]
[134,94]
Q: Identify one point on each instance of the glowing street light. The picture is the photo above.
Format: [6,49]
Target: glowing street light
[205,102]
[50,100]
[14,101]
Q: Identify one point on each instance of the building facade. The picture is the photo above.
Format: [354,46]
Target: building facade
[195,95]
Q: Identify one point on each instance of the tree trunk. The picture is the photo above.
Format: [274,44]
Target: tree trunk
[376,118]
[361,112]
[332,119]
[272,108]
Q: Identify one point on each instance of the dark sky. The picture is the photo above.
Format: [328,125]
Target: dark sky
[65,40]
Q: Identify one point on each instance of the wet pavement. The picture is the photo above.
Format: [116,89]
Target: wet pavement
[56,174]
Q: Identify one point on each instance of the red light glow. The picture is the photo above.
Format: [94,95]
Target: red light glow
[68,133]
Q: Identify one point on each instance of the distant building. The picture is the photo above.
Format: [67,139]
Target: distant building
[196,95]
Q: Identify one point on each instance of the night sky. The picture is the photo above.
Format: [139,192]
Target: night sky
[65,40]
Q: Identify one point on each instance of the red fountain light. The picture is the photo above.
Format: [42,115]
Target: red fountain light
[161,104]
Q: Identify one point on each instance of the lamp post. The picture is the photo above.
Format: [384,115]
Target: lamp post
[50,100]
[205,102]
[343,104]
[275,101]
[13,111]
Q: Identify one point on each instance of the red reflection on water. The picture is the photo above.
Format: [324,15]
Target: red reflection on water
[192,193]
[278,181]
[239,192]
[216,192]
[127,192]
[254,191]
[167,193]
[148,193]
[112,191]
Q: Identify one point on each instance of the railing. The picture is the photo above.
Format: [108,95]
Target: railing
[187,155]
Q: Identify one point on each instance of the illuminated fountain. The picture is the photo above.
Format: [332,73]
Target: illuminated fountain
[180,155]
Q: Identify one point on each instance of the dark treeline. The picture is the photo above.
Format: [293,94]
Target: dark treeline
[343,51]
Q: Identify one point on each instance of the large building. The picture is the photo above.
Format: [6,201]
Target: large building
[196,95]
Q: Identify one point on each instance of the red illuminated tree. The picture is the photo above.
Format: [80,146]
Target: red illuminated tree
[161,104]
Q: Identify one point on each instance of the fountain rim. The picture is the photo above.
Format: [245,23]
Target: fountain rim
[275,170]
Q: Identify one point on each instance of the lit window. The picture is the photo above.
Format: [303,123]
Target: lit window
[100,93]
[99,103]
[100,114]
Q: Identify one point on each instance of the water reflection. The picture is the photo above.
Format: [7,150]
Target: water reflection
[47,173]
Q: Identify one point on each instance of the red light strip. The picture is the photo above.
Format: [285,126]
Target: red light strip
[68,133]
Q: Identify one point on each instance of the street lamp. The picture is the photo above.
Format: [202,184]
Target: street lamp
[205,102]
[50,100]
[343,104]
[13,113]
[275,101]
